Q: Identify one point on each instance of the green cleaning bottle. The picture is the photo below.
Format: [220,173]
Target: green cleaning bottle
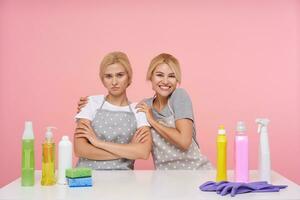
[27,177]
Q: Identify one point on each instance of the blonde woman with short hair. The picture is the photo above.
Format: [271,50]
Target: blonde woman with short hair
[109,126]
[171,117]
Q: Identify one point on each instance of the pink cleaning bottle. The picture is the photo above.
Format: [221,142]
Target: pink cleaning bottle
[241,155]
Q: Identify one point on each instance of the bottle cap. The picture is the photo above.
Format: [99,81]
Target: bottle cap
[221,130]
[28,131]
[49,134]
[240,126]
[65,137]
[262,124]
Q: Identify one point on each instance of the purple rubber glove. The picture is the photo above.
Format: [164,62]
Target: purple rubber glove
[234,188]
[261,186]
[211,186]
[222,188]
[225,188]
[239,187]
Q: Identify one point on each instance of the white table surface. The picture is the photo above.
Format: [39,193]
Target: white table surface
[144,184]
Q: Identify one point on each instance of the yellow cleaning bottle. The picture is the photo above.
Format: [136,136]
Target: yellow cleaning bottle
[48,160]
[221,155]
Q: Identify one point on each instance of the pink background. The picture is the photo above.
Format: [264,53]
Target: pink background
[239,61]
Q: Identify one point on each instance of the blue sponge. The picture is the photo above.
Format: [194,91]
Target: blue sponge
[80,182]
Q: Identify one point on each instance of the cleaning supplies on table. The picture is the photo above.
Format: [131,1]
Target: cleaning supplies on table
[221,155]
[28,163]
[79,177]
[241,158]
[48,159]
[234,188]
[264,151]
[64,159]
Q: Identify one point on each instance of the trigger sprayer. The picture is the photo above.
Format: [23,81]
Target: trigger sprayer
[264,150]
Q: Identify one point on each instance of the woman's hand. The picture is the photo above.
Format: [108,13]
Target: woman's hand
[143,107]
[82,102]
[86,131]
[140,136]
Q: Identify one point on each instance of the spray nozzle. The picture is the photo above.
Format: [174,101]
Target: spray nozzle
[49,134]
[262,122]
[240,126]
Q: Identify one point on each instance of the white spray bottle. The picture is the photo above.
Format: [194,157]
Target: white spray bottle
[264,151]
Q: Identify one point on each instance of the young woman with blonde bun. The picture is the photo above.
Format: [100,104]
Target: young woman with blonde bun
[110,133]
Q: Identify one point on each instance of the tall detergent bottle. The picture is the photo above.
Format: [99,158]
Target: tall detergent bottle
[221,155]
[241,154]
[64,158]
[28,164]
[48,159]
[264,150]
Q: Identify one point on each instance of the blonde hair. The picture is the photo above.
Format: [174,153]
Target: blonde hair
[116,57]
[168,59]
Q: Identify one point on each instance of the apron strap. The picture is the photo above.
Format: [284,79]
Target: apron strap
[130,108]
[104,99]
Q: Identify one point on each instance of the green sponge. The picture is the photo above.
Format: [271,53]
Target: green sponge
[78,172]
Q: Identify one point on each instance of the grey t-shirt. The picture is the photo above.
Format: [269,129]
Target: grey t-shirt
[181,104]
[166,155]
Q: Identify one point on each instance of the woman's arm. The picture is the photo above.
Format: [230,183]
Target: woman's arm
[83,148]
[180,136]
[134,150]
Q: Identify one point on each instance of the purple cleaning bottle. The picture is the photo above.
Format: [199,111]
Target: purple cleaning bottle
[241,155]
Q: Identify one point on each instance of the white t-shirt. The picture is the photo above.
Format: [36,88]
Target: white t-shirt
[94,103]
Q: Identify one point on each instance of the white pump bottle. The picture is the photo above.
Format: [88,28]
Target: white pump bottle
[264,151]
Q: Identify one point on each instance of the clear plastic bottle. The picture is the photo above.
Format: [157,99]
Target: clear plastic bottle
[241,156]
[28,163]
[64,159]
[221,155]
[48,160]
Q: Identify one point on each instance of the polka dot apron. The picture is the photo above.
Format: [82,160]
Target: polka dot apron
[112,126]
[167,156]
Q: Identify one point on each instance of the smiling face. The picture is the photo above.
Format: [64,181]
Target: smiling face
[163,80]
[115,79]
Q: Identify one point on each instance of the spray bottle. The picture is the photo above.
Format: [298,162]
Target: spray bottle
[264,151]
[241,155]
[221,155]
[28,164]
[64,158]
[48,160]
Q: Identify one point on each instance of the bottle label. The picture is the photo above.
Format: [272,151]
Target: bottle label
[48,153]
